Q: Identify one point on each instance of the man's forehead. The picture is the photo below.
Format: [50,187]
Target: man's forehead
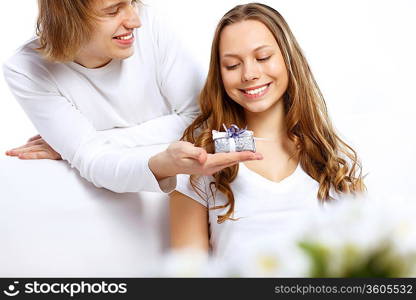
[105,4]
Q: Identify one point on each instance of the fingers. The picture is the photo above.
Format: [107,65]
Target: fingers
[219,161]
[184,158]
[237,159]
[34,155]
[36,140]
[190,151]
[33,138]
[196,153]
[234,157]
[37,151]
[11,152]
[29,144]
[23,149]
[203,156]
[247,155]
[219,168]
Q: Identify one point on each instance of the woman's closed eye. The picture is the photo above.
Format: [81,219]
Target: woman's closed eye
[232,67]
[264,58]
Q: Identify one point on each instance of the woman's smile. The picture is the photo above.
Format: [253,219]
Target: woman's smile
[257,91]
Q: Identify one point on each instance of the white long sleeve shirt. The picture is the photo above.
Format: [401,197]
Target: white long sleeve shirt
[107,122]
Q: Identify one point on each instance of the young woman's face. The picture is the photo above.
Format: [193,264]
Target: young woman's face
[252,67]
[113,35]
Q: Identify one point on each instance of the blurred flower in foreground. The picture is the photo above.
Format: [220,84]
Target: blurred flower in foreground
[267,259]
[355,237]
[186,263]
[362,238]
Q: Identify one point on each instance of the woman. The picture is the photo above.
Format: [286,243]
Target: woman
[259,78]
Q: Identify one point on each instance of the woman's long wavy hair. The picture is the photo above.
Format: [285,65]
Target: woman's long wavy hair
[322,154]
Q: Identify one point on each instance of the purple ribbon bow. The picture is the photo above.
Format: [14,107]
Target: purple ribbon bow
[234,131]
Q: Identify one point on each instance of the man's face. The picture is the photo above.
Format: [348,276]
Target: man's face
[112,37]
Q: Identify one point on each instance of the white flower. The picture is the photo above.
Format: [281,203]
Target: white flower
[184,263]
[352,231]
[341,240]
[267,258]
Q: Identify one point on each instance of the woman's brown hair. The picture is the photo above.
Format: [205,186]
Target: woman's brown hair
[63,26]
[322,153]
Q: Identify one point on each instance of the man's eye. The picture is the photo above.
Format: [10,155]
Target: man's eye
[233,67]
[113,13]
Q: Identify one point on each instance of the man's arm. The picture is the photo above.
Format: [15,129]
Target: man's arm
[100,158]
[161,130]
[103,159]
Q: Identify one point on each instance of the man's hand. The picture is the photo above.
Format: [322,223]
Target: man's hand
[185,158]
[35,148]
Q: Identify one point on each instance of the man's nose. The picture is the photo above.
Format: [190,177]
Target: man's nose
[132,19]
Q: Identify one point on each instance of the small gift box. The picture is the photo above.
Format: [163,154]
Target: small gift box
[233,139]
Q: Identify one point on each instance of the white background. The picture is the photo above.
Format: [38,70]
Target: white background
[362,54]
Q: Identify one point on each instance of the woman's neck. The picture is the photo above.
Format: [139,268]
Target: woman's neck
[270,124]
[279,152]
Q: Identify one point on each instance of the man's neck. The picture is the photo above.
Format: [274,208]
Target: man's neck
[91,62]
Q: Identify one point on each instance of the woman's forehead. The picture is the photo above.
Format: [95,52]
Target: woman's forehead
[248,35]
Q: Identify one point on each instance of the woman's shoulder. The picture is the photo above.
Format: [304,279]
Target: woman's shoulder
[198,188]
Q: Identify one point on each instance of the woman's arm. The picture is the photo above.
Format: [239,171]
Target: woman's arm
[188,223]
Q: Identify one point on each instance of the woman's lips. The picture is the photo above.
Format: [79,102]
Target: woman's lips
[256,92]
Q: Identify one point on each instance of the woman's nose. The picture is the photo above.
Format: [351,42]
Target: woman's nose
[250,72]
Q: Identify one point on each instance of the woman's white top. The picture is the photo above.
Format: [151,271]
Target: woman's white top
[103,120]
[264,209]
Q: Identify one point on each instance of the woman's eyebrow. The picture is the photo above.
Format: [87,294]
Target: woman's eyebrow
[256,49]
[261,47]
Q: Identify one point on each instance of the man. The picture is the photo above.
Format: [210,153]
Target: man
[108,90]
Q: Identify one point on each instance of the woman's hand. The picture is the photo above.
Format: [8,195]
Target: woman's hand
[185,158]
[35,148]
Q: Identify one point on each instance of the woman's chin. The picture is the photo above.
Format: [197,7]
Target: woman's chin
[256,108]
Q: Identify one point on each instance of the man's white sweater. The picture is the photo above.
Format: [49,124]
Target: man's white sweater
[107,122]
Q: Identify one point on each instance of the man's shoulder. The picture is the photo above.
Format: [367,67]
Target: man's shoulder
[146,12]
[27,50]
[28,60]
[151,20]
[26,56]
